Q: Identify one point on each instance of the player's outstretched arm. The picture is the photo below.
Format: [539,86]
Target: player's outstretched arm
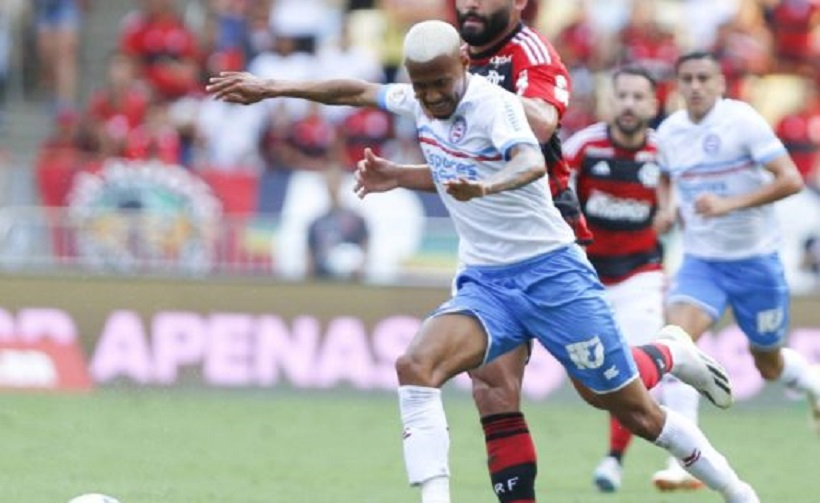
[526,165]
[376,174]
[245,88]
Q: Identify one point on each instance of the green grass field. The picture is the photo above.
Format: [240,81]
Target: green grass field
[198,447]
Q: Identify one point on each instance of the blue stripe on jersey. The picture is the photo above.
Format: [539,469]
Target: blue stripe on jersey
[381,98]
[715,166]
[487,152]
[779,151]
[505,149]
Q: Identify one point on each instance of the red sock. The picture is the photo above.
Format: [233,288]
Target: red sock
[511,457]
[619,438]
[653,361]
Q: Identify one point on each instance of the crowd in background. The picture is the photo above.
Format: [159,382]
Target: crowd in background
[152,104]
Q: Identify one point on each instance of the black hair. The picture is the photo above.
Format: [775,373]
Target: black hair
[638,71]
[689,56]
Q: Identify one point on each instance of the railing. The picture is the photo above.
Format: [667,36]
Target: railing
[139,242]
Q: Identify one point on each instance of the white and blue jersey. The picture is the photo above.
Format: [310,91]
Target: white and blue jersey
[522,275]
[723,154]
[730,259]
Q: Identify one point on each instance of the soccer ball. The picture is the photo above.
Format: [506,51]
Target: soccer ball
[94,498]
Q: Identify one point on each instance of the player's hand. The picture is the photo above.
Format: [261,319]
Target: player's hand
[374,174]
[463,189]
[663,221]
[239,87]
[710,205]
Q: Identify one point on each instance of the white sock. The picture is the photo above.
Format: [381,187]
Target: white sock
[684,440]
[680,397]
[426,441]
[797,373]
[436,490]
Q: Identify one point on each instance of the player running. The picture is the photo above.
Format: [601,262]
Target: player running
[616,175]
[727,167]
[523,276]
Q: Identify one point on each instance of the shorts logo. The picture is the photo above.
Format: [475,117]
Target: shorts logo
[711,143]
[770,320]
[587,354]
[458,129]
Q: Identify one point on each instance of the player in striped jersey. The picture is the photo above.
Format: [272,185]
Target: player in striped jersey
[514,56]
[616,176]
[727,167]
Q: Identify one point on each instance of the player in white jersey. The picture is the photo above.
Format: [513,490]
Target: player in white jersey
[523,276]
[727,168]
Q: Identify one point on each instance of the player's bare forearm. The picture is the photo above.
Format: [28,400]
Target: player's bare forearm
[664,193]
[787,181]
[245,88]
[526,165]
[542,117]
[352,92]
[415,177]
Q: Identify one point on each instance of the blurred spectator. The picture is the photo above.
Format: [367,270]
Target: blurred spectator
[165,50]
[285,60]
[364,128]
[810,261]
[701,19]
[743,46]
[226,35]
[800,133]
[338,238]
[60,150]
[155,139]
[227,137]
[794,24]
[310,142]
[400,15]
[115,110]
[260,38]
[58,25]
[645,41]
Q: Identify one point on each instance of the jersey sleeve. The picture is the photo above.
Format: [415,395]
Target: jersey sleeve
[573,151]
[761,140]
[507,124]
[546,81]
[398,99]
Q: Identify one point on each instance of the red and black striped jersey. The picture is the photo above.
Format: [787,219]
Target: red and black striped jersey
[525,63]
[616,187]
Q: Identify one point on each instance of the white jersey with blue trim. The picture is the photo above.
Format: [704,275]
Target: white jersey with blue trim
[474,143]
[723,154]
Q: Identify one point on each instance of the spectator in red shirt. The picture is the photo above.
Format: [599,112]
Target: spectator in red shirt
[646,42]
[155,139]
[793,22]
[119,107]
[800,133]
[164,48]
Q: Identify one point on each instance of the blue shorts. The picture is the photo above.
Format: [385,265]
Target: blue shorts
[755,288]
[557,299]
[52,14]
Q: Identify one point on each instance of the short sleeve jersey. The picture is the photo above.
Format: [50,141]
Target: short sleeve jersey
[723,154]
[617,190]
[526,64]
[475,143]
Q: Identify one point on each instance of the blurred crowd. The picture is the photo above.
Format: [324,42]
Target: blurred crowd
[152,104]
